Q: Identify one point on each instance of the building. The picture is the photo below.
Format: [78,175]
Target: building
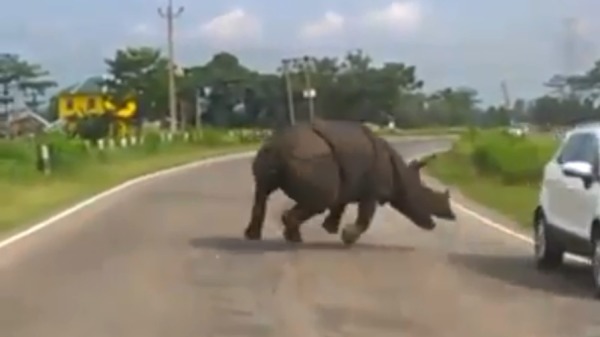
[20,122]
[81,99]
[89,98]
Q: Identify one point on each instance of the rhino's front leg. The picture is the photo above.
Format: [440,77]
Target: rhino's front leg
[292,220]
[332,222]
[366,211]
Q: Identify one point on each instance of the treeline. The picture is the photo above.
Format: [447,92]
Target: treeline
[19,77]
[348,87]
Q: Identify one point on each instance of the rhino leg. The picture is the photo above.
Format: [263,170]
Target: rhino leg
[366,210]
[292,219]
[332,222]
[257,219]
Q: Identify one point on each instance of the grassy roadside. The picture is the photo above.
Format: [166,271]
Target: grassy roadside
[24,202]
[27,196]
[508,183]
[515,201]
[431,131]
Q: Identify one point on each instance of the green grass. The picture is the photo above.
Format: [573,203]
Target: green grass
[27,196]
[430,131]
[497,171]
[515,201]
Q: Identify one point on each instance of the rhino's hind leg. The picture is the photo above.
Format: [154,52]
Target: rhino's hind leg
[257,219]
[292,219]
[352,232]
[332,222]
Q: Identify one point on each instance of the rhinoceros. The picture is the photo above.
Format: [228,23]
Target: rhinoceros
[326,165]
[438,202]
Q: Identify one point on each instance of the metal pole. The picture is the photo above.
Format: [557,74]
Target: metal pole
[309,89]
[290,97]
[198,110]
[170,15]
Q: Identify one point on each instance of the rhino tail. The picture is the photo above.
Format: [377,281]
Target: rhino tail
[267,166]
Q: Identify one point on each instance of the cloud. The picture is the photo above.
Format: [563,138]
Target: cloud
[399,17]
[143,30]
[235,26]
[330,24]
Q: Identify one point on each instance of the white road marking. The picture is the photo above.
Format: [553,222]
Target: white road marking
[503,229]
[130,183]
[206,162]
[495,225]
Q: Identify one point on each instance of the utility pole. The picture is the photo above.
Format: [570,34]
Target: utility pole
[309,91]
[199,109]
[170,15]
[505,93]
[288,87]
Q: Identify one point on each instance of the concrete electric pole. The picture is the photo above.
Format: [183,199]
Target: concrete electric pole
[288,88]
[170,15]
[309,92]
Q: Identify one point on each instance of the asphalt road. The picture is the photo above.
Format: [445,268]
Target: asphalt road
[167,259]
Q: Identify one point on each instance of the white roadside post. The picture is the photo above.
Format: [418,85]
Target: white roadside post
[45,157]
[310,94]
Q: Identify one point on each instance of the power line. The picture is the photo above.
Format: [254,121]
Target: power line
[170,15]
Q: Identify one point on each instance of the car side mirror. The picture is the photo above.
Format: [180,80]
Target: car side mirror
[579,169]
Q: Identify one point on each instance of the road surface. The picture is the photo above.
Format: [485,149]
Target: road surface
[166,259]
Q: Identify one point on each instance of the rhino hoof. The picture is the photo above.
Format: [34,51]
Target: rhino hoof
[350,234]
[292,235]
[331,228]
[250,234]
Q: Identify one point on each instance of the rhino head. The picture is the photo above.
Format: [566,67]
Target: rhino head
[438,202]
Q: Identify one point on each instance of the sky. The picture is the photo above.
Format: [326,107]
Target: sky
[472,43]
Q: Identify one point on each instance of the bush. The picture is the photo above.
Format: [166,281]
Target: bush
[515,160]
[20,159]
[17,159]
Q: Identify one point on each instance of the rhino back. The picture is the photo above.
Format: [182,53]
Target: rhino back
[355,152]
[310,174]
[301,142]
[384,170]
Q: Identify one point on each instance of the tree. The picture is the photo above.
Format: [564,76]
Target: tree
[351,87]
[139,72]
[231,84]
[453,106]
[18,76]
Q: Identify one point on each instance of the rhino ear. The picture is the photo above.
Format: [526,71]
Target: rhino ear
[447,193]
[417,164]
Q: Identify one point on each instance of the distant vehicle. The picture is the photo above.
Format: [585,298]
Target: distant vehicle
[518,130]
[567,218]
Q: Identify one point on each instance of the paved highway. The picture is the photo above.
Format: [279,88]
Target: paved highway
[166,258]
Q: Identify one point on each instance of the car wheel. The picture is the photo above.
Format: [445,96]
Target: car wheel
[596,266]
[548,254]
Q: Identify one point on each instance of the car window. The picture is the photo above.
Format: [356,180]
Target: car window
[588,151]
[580,147]
[571,148]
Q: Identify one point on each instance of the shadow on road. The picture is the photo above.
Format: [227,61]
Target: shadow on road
[238,245]
[571,280]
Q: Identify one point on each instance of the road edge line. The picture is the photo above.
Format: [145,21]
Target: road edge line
[496,225]
[12,239]
[216,160]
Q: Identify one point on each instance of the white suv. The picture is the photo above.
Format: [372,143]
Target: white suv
[568,216]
